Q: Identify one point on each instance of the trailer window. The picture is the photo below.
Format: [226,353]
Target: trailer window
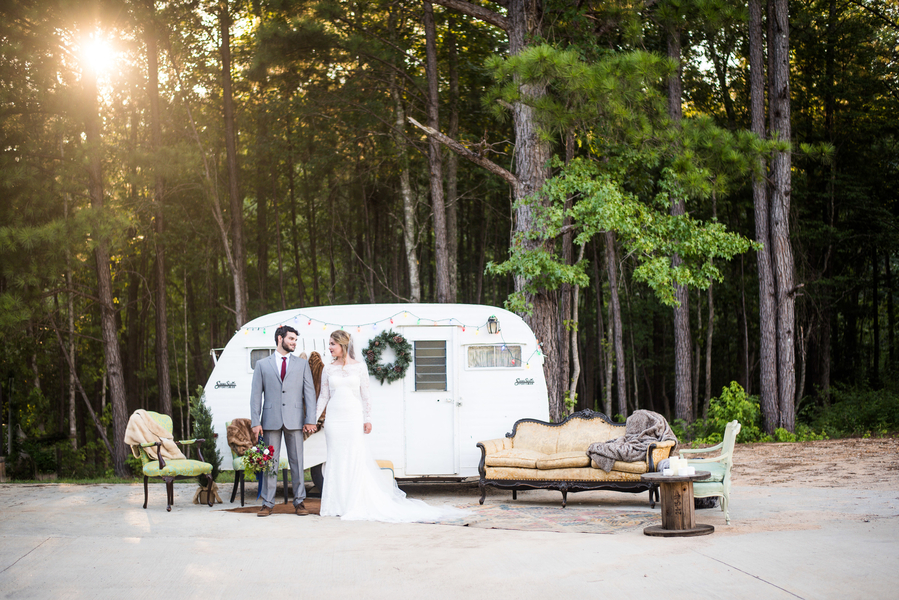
[430,365]
[501,355]
[258,354]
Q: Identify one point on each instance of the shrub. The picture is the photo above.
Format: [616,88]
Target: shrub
[203,429]
[858,412]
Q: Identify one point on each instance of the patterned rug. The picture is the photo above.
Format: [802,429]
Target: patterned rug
[555,518]
[523,517]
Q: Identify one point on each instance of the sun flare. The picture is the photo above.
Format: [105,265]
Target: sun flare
[97,55]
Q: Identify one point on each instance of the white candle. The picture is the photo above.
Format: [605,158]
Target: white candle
[667,472]
[683,471]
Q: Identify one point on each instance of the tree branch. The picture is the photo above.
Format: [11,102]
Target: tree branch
[478,12]
[465,152]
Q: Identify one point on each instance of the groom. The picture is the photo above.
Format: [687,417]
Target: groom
[282,400]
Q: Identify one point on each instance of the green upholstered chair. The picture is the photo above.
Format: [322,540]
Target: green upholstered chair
[719,466]
[171,469]
[239,479]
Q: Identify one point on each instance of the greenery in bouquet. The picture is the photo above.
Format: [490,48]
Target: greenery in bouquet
[259,459]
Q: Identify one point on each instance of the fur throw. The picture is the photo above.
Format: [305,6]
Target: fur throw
[316,365]
[142,429]
[642,428]
[240,436]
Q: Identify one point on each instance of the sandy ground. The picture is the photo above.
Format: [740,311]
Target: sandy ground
[865,464]
[813,520]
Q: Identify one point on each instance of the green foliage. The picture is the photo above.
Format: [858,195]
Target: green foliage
[735,404]
[651,235]
[858,412]
[202,429]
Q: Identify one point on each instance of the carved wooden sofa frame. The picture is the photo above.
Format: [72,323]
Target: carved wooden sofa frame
[568,485]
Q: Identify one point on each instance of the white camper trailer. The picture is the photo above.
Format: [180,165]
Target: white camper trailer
[475,371]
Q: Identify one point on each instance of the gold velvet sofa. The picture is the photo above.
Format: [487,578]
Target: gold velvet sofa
[538,455]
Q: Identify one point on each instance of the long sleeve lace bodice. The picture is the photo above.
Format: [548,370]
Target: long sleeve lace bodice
[354,376]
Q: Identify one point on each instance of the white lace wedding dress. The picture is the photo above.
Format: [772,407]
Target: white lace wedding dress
[355,488]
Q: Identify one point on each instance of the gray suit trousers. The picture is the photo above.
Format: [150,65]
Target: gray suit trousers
[293,441]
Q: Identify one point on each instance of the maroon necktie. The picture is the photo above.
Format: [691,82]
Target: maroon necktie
[283,367]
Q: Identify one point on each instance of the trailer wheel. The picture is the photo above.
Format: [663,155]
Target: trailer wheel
[318,477]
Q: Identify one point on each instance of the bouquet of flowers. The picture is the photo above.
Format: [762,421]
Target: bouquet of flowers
[259,459]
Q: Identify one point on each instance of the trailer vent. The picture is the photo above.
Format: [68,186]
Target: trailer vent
[430,365]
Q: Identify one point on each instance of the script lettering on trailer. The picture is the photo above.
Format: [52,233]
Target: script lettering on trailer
[524,382]
[225,384]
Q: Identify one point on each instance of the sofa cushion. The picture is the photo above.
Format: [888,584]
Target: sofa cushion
[564,460]
[514,458]
[579,474]
[537,437]
[577,435]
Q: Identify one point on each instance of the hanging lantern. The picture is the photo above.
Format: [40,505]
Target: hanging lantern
[492,325]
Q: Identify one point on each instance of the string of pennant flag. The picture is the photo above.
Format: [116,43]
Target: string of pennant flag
[407,318]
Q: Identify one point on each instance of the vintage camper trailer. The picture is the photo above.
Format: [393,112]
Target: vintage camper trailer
[475,371]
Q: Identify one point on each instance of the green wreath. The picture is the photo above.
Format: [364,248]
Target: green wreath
[391,371]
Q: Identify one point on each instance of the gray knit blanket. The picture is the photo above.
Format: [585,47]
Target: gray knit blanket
[642,428]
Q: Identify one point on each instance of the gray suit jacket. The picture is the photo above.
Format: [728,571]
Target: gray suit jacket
[275,404]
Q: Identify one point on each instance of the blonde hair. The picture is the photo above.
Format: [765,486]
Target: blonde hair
[345,341]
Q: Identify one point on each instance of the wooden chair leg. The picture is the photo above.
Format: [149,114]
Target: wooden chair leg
[234,489]
[514,494]
[483,492]
[286,485]
[242,482]
[145,491]
[170,492]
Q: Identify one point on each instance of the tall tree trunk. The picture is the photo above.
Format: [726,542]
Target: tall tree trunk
[435,163]
[575,357]
[532,156]
[452,160]
[162,328]
[683,393]
[891,319]
[565,331]
[875,324]
[294,227]
[237,242]
[767,304]
[264,169]
[108,327]
[410,241]
[780,217]
[745,320]
[616,323]
[278,249]
[602,355]
[531,171]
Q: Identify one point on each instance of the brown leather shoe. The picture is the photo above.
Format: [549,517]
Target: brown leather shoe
[302,511]
[265,511]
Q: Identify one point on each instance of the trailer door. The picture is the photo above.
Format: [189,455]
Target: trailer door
[430,402]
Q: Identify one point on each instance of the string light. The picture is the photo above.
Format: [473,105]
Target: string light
[453,321]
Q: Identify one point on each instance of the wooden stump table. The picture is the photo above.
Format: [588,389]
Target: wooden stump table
[678,516]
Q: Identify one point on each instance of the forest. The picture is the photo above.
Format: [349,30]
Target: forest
[689,201]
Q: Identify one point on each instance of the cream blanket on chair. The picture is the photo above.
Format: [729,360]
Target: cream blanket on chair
[142,429]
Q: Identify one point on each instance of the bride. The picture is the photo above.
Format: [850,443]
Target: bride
[354,487]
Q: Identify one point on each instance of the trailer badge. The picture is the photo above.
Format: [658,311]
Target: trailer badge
[225,384]
[524,382]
